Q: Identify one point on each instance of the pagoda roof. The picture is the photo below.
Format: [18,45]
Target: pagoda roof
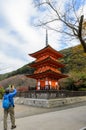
[49,73]
[44,69]
[47,61]
[47,50]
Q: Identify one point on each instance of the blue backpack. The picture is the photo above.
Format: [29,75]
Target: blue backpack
[6,101]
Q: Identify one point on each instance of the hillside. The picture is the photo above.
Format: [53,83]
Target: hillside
[23,70]
[74,59]
[75,66]
[18,80]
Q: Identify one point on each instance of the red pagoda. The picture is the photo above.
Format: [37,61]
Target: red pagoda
[46,68]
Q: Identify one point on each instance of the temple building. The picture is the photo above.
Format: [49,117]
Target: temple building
[47,66]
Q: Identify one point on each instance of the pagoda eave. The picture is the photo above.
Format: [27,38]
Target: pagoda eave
[44,50]
[49,74]
[48,61]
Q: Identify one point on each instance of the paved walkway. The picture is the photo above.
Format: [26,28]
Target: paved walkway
[49,119]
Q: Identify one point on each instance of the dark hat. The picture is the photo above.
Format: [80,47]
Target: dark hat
[7,90]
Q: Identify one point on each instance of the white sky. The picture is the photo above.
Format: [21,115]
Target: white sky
[18,37]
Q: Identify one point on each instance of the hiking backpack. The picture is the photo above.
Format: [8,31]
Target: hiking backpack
[6,102]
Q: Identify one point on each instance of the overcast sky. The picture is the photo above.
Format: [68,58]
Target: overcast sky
[18,36]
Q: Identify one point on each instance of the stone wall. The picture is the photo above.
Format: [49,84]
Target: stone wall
[49,103]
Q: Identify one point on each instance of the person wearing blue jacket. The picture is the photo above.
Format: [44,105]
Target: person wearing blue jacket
[11,94]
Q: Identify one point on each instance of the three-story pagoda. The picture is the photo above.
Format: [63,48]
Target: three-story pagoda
[47,66]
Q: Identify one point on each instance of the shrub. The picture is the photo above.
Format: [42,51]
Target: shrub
[82,89]
[1,92]
[67,83]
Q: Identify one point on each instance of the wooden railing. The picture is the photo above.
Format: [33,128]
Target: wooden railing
[50,94]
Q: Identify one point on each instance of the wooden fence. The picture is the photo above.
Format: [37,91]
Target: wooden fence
[50,94]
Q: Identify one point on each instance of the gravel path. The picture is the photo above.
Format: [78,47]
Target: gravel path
[69,119]
[24,110]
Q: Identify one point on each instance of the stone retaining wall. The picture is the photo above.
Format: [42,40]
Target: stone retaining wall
[49,103]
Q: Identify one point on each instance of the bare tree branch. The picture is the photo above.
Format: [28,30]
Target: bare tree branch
[72,22]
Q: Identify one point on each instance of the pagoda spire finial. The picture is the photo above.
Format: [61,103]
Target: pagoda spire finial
[46,37]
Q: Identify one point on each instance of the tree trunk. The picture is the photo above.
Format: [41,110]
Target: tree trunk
[80,33]
[83,44]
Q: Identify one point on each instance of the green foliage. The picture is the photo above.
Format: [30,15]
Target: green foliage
[79,79]
[67,83]
[76,81]
[1,92]
[75,66]
[82,89]
[74,59]
[81,75]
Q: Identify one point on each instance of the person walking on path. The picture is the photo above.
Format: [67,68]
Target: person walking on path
[10,92]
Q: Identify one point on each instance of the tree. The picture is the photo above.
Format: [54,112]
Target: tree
[69,13]
[84,30]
